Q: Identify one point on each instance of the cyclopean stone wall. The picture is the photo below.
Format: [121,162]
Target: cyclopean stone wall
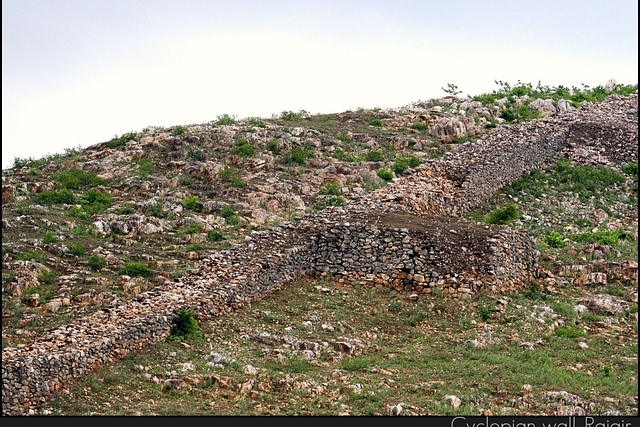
[407,235]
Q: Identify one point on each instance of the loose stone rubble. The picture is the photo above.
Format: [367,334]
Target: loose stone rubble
[407,235]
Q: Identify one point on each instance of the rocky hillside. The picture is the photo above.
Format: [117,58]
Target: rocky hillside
[94,228]
[88,227]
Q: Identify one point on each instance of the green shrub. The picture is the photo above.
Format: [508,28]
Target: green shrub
[230,175]
[196,155]
[155,211]
[125,210]
[374,156]
[329,201]
[331,189]
[520,114]
[75,178]
[555,240]
[225,119]
[185,326]
[30,162]
[227,211]
[185,180]
[117,142]
[55,197]
[192,228]
[192,203]
[631,169]
[80,230]
[354,158]
[291,116]
[47,277]
[215,236]
[375,122]
[604,237]
[297,155]
[96,262]
[419,126]
[243,148]
[339,154]
[75,249]
[401,164]
[95,201]
[196,247]
[230,215]
[385,174]
[134,269]
[273,146]
[503,215]
[178,130]
[78,212]
[254,121]
[50,237]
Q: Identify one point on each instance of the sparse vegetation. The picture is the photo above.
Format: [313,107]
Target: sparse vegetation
[401,164]
[192,203]
[120,141]
[374,156]
[297,155]
[243,148]
[291,116]
[96,262]
[134,269]
[225,119]
[370,348]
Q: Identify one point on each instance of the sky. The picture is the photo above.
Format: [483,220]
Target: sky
[79,72]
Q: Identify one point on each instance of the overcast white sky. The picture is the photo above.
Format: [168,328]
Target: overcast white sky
[78,72]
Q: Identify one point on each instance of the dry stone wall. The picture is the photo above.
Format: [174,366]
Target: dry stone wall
[406,236]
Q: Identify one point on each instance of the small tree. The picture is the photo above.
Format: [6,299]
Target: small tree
[452,89]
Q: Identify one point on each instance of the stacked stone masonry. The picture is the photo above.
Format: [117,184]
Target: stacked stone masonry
[407,235]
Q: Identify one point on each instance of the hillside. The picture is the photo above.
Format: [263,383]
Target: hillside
[92,230]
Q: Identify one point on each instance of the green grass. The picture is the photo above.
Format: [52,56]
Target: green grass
[31,255]
[392,361]
[50,238]
[145,167]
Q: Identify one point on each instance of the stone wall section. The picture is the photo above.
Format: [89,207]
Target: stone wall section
[406,236]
